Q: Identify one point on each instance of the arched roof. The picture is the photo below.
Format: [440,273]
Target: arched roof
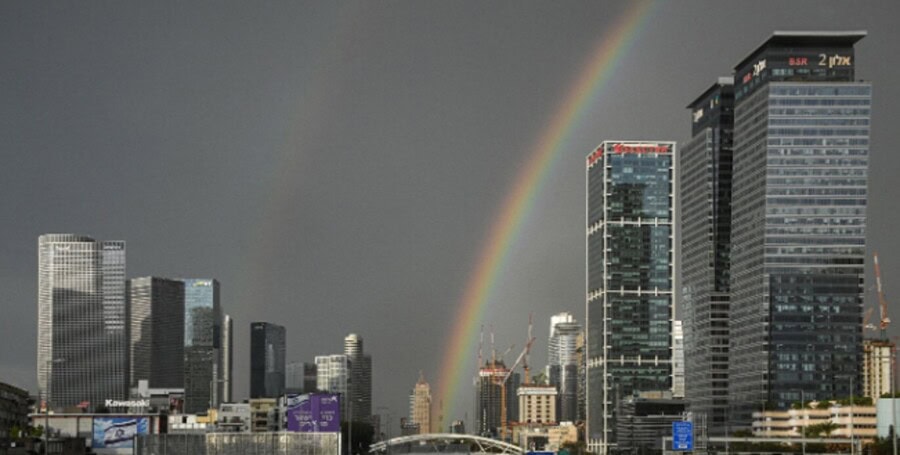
[477,444]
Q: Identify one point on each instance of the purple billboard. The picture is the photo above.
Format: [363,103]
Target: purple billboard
[314,413]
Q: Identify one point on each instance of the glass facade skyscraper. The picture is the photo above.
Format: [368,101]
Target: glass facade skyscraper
[267,349]
[202,341]
[333,375]
[82,352]
[300,378]
[156,318]
[562,365]
[361,372]
[630,278]
[705,164]
[801,146]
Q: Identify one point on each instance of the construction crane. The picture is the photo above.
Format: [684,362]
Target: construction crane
[528,350]
[503,422]
[882,302]
[866,324]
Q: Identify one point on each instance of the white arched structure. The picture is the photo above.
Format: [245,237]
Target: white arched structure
[439,442]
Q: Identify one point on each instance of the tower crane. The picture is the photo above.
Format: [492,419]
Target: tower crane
[868,316]
[882,302]
[503,422]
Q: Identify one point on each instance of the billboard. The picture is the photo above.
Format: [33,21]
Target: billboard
[118,432]
[314,413]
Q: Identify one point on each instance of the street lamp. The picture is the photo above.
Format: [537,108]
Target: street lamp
[803,416]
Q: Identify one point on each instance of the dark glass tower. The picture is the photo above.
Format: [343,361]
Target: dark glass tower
[202,341]
[156,318]
[267,348]
[705,165]
[360,377]
[801,146]
[630,278]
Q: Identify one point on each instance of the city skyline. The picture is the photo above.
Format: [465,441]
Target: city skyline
[137,124]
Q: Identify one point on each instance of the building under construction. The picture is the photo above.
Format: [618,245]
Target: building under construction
[489,397]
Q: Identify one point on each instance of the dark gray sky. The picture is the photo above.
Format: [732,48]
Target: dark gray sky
[337,165]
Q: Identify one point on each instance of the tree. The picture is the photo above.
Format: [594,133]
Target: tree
[820,429]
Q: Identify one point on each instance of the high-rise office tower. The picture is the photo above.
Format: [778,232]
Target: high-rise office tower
[202,341]
[226,391]
[82,346]
[156,319]
[705,164]
[300,377]
[333,375]
[267,348]
[801,147]
[489,398]
[562,365]
[630,278]
[420,405]
[361,388]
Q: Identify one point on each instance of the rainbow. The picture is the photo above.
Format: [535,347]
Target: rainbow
[518,204]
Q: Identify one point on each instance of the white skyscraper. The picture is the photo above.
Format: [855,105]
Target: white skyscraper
[333,375]
[562,365]
[82,354]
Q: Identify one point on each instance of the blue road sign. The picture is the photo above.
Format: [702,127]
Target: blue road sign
[682,436]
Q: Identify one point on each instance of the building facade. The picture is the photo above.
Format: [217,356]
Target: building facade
[493,379]
[420,405]
[202,342]
[537,404]
[300,378]
[227,360]
[333,375]
[801,146]
[82,348]
[156,319]
[630,278]
[562,364]
[644,419]
[361,365]
[705,164]
[267,351]
[677,360]
[13,410]
[877,372]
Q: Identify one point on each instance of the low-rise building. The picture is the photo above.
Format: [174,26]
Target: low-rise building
[645,418]
[264,415]
[13,409]
[104,433]
[858,421]
[537,404]
[234,418]
[544,437]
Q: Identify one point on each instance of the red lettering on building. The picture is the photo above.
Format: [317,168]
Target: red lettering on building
[798,61]
[640,148]
[593,157]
